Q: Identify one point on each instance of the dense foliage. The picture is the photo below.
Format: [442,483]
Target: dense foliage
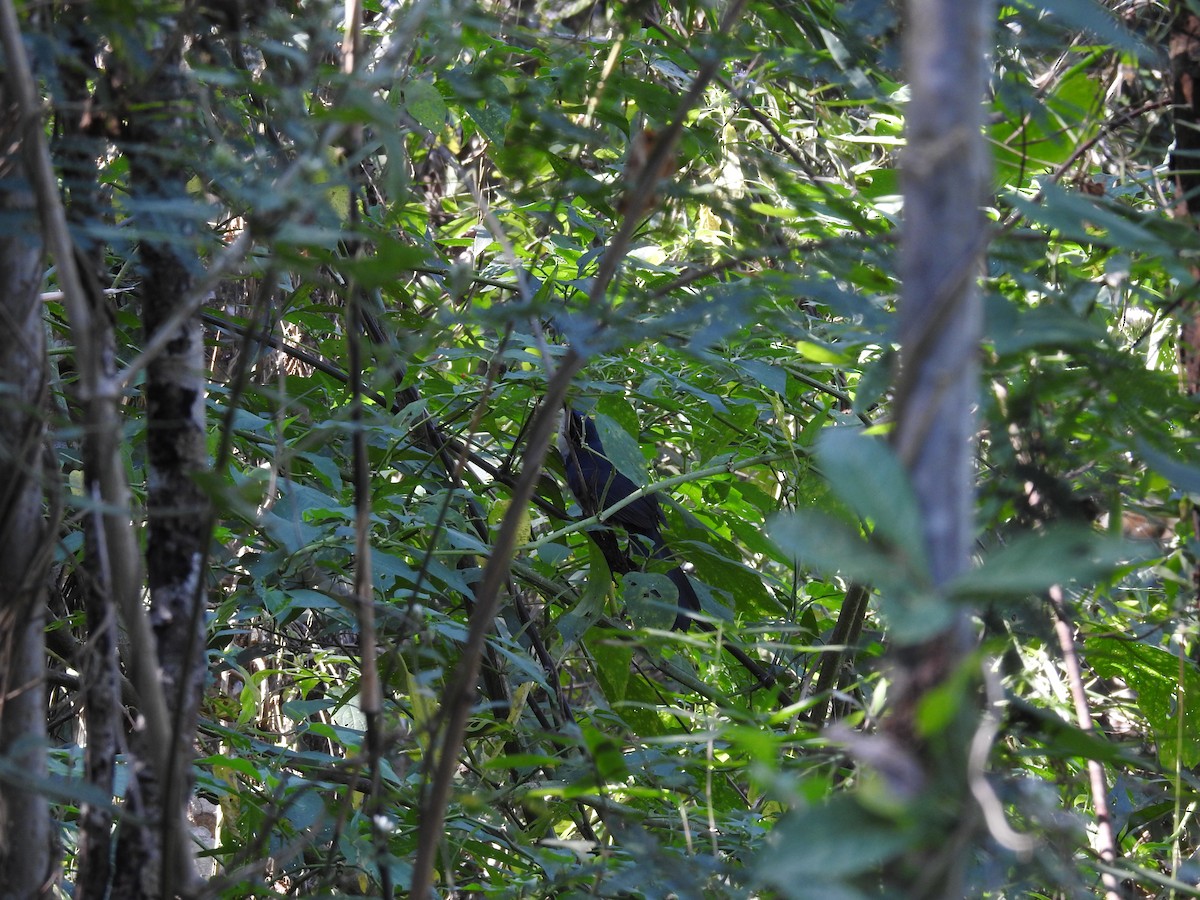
[435,217]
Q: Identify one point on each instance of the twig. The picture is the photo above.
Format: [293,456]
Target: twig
[841,649]
[233,255]
[370,690]
[1106,845]
[728,467]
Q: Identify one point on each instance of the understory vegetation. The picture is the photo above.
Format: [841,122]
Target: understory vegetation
[362,636]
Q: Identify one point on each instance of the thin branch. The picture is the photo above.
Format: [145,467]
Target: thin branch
[1106,844]
[457,698]
[370,690]
[439,442]
[724,468]
[841,649]
[981,789]
[1016,217]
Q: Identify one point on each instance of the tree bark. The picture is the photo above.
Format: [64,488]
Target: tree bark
[26,844]
[177,509]
[945,180]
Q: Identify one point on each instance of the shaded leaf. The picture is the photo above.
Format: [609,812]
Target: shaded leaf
[1034,562]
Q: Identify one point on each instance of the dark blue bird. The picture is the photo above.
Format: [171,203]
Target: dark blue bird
[597,484]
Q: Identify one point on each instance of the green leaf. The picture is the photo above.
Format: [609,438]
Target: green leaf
[744,587]
[913,609]
[390,570]
[1034,562]
[864,472]
[389,262]
[1161,678]
[425,104]
[772,377]
[303,599]
[650,599]
[1080,218]
[607,759]
[612,669]
[492,121]
[812,851]
[827,545]
[1180,474]
[641,709]
[574,623]
[622,450]
[1013,329]
[299,710]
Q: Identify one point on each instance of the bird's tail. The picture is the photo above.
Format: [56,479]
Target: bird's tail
[687,598]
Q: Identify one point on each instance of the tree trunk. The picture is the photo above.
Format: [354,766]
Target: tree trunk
[26,845]
[945,171]
[175,443]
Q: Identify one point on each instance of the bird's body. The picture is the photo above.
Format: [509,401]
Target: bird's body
[597,484]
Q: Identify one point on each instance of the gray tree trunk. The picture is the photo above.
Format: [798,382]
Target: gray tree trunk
[945,183]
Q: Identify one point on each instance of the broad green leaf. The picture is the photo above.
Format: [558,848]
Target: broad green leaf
[650,599]
[643,709]
[772,377]
[913,609]
[492,119]
[612,664]
[865,473]
[814,848]
[425,104]
[1168,692]
[827,545]
[574,623]
[1078,217]
[299,710]
[390,260]
[1014,330]
[1034,562]
[1183,476]
[744,586]
[622,450]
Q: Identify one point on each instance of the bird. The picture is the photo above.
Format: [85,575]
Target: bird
[597,484]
